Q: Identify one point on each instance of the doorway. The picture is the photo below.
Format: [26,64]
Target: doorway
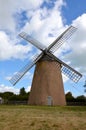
[49,101]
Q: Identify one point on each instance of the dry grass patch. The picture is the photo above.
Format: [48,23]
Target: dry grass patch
[42,118]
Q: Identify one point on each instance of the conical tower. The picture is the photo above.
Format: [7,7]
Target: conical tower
[47,85]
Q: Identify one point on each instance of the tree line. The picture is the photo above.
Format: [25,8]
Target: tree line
[9,97]
[70,98]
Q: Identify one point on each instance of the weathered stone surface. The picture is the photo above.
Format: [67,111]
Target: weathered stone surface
[47,86]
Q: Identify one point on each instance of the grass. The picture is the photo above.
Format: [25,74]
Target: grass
[24,117]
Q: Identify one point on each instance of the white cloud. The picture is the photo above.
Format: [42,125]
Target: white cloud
[43,22]
[28,89]
[4,88]
[10,49]
[8,9]
[78,45]
[65,78]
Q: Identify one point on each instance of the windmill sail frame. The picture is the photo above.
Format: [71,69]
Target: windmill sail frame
[66,69]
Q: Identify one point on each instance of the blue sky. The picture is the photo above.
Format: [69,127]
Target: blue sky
[43,20]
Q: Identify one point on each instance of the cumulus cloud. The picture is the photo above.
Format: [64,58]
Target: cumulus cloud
[28,89]
[4,88]
[10,49]
[78,45]
[43,22]
[9,9]
[65,78]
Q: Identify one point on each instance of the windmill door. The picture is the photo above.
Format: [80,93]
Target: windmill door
[49,100]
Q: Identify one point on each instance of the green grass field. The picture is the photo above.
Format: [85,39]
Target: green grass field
[24,117]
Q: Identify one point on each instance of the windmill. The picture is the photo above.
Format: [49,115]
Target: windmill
[47,85]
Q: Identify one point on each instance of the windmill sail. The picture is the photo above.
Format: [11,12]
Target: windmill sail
[32,40]
[70,73]
[67,70]
[61,39]
[24,70]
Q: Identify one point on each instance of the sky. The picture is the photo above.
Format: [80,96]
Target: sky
[44,20]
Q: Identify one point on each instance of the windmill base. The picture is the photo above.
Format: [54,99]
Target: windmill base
[47,86]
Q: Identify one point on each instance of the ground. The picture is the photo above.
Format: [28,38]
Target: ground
[25,117]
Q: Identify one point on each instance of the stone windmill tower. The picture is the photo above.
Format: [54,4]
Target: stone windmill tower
[47,85]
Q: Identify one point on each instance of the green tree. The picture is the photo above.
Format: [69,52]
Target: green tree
[81,99]
[69,97]
[7,95]
[22,91]
[22,95]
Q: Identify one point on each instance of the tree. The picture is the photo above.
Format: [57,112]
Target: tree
[22,91]
[7,95]
[10,97]
[69,97]
[22,95]
[81,99]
